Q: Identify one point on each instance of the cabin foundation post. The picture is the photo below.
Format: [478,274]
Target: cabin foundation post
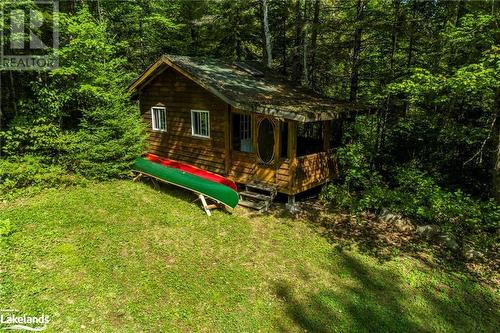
[291,205]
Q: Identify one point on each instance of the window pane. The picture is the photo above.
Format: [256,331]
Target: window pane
[246,135]
[200,123]
[159,119]
[242,132]
[155,117]
[195,123]
[205,124]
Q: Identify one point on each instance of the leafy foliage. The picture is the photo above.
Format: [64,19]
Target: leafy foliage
[28,175]
[82,118]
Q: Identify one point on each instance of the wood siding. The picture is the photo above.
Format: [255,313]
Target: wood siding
[313,170]
[179,95]
[242,166]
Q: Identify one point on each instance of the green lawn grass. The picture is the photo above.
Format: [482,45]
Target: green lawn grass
[122,257]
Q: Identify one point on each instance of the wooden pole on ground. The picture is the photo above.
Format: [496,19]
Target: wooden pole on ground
[204,203]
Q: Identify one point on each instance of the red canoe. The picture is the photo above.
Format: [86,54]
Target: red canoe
[192,170]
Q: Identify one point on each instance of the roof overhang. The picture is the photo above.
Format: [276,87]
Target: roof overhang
[156,68]
[164,62]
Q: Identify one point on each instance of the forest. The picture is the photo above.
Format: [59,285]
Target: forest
[426,73]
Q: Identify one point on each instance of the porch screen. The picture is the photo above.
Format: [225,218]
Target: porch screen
[336,133]
[309,138]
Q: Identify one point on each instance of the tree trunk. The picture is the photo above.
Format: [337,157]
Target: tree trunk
[99,11]
[283,37]
[496,159]
[305,31]
[458,11]
[314,42]
[267,34]
[412,37]
[356,50]
[384,113]
[394,35]
[237,36]
[141,35]
[13,94]
[297,70]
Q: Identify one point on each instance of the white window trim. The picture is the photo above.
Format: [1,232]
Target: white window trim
[153,119]
[192,124]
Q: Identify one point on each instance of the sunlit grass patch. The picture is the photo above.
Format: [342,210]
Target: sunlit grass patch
[120,256]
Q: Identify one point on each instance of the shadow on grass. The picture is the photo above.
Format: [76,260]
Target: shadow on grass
[178,192]
[367,233]
[383,241]
[371,299]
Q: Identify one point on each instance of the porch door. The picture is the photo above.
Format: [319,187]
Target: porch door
[266,148]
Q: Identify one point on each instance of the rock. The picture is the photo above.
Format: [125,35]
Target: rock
[448,241]
[293,208]
[388,217]
[471,254]
[428,231]
[403,225]
[369,215]
[400,223]
[391,217]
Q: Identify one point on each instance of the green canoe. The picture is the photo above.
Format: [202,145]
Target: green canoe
[218,192]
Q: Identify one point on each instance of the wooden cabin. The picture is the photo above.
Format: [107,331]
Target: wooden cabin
[247,124]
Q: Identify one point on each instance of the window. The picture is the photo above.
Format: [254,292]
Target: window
[200,123]
[242,132]
[159,119]
[309,138]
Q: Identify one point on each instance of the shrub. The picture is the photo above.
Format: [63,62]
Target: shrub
[421,199]
[415,194]
[106,145]
[81,118]
[28,175]
[360,188]
[27,137]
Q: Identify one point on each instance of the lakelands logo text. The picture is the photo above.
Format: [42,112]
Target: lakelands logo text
[11,320]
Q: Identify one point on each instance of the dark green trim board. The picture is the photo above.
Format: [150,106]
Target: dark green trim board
[213,190]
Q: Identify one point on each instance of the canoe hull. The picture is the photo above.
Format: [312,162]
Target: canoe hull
[216,191]
[192,170]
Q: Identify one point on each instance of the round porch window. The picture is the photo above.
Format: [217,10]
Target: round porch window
[266,141]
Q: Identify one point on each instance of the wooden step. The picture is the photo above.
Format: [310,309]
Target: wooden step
[263,187]
[252,204]
[257,196]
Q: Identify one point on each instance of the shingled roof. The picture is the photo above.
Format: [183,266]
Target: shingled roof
[244,88]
